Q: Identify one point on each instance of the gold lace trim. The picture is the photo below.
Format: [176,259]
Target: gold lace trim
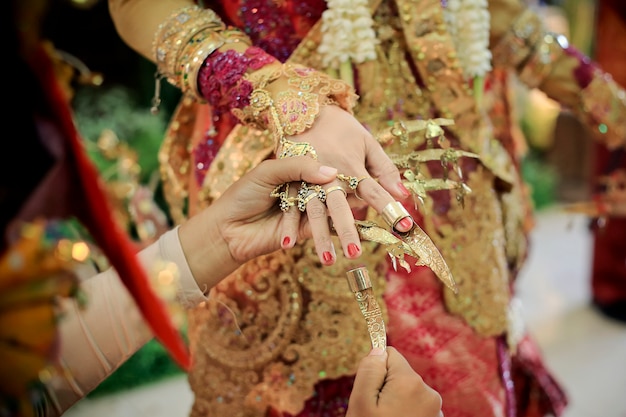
[472,242]
[287,99]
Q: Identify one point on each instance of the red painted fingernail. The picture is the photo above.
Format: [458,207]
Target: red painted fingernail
[286,241]
[406,223]
[327,256]
[353,249]
[403,190]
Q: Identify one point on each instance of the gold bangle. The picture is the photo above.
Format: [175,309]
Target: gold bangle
[198,49]
[517,44]
[540,63]
[175,33]
[192,61]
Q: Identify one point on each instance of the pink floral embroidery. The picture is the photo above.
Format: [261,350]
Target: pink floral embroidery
[221,80]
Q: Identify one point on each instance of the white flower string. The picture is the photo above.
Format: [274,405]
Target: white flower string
[468,24]
[347,36]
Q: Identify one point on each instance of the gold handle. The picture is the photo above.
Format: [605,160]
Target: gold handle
[361,285]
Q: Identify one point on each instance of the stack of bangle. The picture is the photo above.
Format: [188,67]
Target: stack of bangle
[543,56]
[514,48]
[183,42]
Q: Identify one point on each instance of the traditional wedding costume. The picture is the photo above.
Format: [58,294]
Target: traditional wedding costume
[282,336]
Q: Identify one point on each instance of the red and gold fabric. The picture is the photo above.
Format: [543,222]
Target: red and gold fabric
[301,346]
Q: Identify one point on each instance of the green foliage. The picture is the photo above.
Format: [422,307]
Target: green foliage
[542,179]
[116,109]
[149,364]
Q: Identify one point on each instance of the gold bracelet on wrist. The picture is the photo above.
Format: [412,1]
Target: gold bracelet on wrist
[517,44]
[197,51]
[174,35]
[192,59]
[539,65]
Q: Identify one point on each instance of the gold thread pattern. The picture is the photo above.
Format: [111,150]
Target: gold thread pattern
[300,92]
[293,324]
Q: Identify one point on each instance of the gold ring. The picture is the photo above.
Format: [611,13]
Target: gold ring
[321,193]
[356,194]
[336,188]
[393,213]
[284,201]
[306,193]
[290,149]
[302,202]
[353,182]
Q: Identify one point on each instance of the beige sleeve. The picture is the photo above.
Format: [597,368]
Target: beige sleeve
[99,337]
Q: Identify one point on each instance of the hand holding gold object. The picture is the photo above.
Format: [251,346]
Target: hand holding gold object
[361,285]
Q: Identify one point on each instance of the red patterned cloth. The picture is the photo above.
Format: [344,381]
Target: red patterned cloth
[476,376]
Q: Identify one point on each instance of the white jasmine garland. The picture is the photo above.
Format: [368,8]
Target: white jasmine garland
[347,33]
[468,24]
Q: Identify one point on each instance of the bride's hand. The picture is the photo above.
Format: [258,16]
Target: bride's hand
[342,142]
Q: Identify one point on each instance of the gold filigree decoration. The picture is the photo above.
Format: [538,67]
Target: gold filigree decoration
[470,239]
[287,99]
[298,109]
[290,149]
[411,161]
[415,243]
[361,285]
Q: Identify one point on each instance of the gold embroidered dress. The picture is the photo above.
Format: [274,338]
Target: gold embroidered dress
[282,336]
